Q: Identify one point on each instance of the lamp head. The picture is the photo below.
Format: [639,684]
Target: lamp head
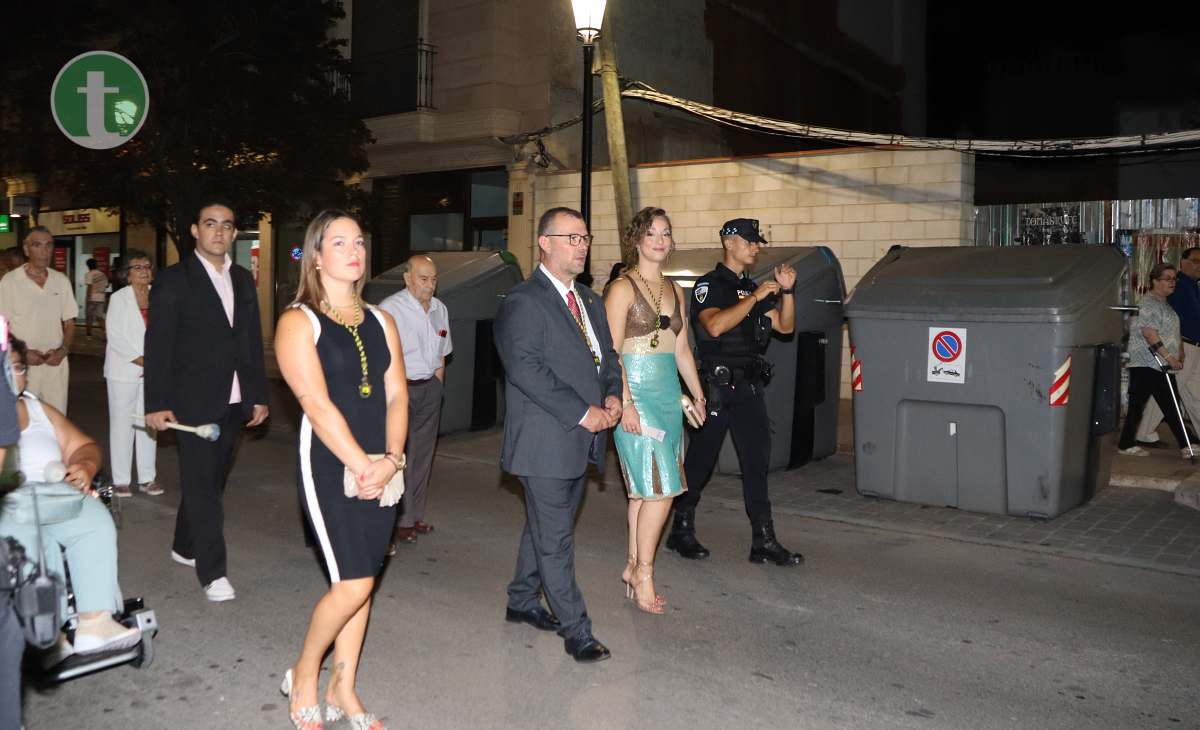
[589,16]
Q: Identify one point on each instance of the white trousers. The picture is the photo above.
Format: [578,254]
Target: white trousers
[49,382]
[124,400]
[1188,395]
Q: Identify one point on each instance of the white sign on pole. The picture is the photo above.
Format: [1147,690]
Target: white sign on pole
[947,355]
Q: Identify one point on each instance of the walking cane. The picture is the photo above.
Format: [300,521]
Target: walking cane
[1166,371]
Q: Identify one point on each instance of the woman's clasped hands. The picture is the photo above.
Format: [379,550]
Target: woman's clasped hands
[373,479]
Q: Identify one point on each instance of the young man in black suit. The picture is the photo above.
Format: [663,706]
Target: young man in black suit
[204,364]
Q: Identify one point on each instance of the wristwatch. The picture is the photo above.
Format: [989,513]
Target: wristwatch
[788,291]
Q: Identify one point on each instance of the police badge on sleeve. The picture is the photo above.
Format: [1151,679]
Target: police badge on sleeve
[701,292]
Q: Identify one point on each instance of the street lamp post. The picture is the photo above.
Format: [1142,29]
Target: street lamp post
[589,16]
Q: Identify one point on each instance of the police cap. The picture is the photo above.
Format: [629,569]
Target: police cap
[747,228]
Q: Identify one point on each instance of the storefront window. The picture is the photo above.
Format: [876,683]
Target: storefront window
[76,250]
[1146,231]
[459,210]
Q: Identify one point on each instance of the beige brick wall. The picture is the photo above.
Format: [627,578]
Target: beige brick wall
[857,202]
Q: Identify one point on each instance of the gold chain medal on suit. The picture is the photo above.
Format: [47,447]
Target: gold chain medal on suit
[663,321]
[364,388]
[587,340]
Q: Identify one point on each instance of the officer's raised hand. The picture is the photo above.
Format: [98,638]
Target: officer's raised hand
[769,288]
[785,275]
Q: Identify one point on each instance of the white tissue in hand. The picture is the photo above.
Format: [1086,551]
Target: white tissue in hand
[55,472]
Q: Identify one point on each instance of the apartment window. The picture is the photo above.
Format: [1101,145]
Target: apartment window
[391,67]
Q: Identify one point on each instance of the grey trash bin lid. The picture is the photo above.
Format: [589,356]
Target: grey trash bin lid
[1008,284]
[810,262]
[459,273]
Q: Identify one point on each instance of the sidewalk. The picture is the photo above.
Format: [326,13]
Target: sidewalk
[1133,522]
[1142,528]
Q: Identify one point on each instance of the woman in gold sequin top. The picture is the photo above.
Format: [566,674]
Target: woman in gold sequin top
[648,327]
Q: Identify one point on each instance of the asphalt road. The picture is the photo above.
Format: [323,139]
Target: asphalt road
[878,630]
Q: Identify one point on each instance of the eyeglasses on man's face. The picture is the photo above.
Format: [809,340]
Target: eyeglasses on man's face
[575,239]
[140,267]
[1167,278]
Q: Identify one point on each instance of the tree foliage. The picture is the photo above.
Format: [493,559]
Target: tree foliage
[244,105]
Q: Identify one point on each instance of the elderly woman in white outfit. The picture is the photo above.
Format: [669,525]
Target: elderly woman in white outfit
[128,310]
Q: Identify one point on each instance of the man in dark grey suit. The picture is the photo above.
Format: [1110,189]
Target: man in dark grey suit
[563,393]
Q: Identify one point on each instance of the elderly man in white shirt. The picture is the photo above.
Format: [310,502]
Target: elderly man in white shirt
[424,326]
[39,303]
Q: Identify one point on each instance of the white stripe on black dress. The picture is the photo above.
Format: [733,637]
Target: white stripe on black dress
[353,534]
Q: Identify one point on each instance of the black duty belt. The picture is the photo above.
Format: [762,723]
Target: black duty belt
[422,381]
[731,373]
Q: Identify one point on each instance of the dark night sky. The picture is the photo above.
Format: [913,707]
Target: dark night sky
[1062,69]
[982,70]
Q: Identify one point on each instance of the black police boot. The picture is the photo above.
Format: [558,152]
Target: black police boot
[766,549]
[683,536]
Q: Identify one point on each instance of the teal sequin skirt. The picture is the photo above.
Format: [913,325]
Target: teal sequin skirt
[653,469]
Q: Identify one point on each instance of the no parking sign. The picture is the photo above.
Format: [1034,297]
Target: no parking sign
[947,355]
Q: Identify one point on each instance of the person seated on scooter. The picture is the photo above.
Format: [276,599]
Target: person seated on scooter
[88,536]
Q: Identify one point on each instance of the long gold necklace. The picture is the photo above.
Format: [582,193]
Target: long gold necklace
[657,306]
[587,340]
[364,388]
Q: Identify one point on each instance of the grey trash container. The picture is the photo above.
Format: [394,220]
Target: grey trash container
[471,284]
[802,399]
[987,378]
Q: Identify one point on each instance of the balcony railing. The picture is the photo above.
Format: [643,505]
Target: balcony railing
[425,54]
[340,83]
[394,81]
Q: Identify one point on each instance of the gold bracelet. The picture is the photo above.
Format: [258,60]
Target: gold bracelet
[398,463]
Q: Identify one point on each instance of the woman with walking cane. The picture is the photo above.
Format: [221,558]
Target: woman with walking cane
[1154,336]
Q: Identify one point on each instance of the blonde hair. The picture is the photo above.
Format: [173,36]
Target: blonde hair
[310,292]
[636,229]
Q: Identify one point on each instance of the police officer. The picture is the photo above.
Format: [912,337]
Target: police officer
[732,319]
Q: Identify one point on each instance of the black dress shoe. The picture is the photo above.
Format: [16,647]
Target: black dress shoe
[766,549]
[587,650]
[538,618]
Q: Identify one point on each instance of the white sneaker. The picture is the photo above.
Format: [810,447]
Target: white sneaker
[1134,451]
[189,562]
[220,590]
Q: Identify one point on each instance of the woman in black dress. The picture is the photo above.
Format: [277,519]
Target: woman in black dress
[342,359]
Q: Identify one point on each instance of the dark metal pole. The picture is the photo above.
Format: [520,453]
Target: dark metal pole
[585,178]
